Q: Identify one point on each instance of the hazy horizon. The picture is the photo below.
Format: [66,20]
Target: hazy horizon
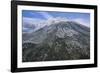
[34,18]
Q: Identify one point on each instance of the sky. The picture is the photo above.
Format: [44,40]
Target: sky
[31,16]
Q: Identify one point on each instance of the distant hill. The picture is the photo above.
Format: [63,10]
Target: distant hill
[65,40]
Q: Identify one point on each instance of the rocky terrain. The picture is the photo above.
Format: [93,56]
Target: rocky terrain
[64,40]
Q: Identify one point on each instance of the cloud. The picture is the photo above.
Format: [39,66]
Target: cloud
[46,15]
[29,24]
[31,20]
[36,23]
[32,23]
[56,20]
[81,21]
[26,29]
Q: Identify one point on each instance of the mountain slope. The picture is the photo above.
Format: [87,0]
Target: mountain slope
[65,40]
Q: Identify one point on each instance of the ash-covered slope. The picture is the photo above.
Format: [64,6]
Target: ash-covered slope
[65,40]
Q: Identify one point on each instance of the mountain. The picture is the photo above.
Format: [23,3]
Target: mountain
[64,40]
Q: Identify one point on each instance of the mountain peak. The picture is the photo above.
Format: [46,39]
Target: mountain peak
[61,40]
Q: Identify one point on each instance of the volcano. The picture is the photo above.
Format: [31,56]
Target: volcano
[64,40]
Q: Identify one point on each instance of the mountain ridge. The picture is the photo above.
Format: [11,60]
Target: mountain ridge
[59,41]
